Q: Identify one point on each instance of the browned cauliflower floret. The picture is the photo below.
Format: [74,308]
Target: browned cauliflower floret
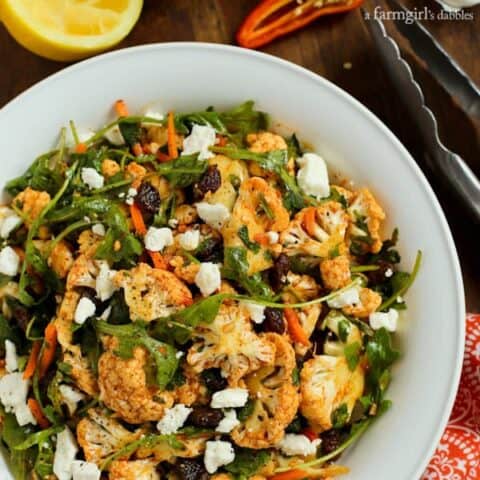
[183,270]
[82,273]
[308,317]
[275,399]
[32,203]
[248,212]
[192,390]
[326,382]
[364,207]
[344,192]
[135,171]
[186,214]
[133,470]
[369,302]
[61,259]
[110,167]
[299,288]
[262,142]
[88,243]
[124,389]
[316,231]
[152,293]
[100,435]
[230,343]
[336,272]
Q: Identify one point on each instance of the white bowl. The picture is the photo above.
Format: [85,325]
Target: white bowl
[186,76]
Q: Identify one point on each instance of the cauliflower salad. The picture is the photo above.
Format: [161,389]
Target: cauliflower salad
[190,296]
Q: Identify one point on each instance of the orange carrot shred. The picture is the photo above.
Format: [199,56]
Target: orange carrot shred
[290,475]
[163,157]
[36,410]
[262,239]
[137,219]
[310,434]
[295,328]
[121,108]
[171,136]
[309,220]
[221,141]
[32,360]
[137,149]
[80,148]
[158,260]
[50,346]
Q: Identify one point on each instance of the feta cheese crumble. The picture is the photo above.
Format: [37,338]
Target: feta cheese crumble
[257,312]
[173,419]
[65,453]
[9,221]
[228,422]
[229,398]
[388,272]
[387,320]
[13,395]
[131,194]
[85,470]
[92,178]
[293,444]
[312,177]
[11,359]
[85,309]
[156,239]
[189,240]
[348,297]
[201,138]
[213,214]
[98,229]
[208,278]
[104,283]
[9,261]
[71,397]
[217,454]
[114,136]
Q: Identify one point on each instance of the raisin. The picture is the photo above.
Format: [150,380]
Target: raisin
[211,180]
[19,312]
[190,469]
[214,380]
[205,417]
[378,276]
[148,198]
[210,250]
[279,271]
[331,440]
[273,322]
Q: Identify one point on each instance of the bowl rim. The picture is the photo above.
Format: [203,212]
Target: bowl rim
[454,380]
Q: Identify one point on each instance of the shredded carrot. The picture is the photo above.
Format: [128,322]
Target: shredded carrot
[158,260]
[36,410]
[262,239]
[308,432]
[121,108]
[290,475]
[137,219]
[295,328]
[221,141]
[137,150]
[80,148]
[163,157]
[309,220]
[171,136]
[50,346]
[32,360]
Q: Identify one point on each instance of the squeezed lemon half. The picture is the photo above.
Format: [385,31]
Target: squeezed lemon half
[69,29]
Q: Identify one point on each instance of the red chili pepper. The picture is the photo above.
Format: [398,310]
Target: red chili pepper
[271,19]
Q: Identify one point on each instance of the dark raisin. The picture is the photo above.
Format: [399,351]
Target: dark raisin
[279,272]
[214,380]
[210,250]
[274,321]
[205,417]
[331,440]
[378,276]
[91,294]
[190,469]
[19,312]
[148,198]
[210,181]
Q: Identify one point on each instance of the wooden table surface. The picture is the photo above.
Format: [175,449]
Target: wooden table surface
[324,47]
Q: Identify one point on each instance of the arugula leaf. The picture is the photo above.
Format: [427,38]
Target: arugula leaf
[8,332]
[340,416]
[246,410]
[38,437]
[352,354]
[210,118]
[247,462]
[294,148]
[343,329]
[235,267]
[245,238]
[336,196]
[296,376]
[127,255]
[183,171]
[131,132]
[44,462]
[135,334]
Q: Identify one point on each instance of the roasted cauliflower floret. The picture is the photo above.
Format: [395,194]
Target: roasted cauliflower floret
[183,270]
[61,259]
[308,317]
[263,142]
[32,203]
[100,435]
[299,288]
[230,343]
[365,208]
[369,302]
[326,382]
[316,231]
[110,167]
[135,171]
[186,214]
[124,389]
[336,272]
[255,195]
[192,391]
[133,470]
[152,293]
[275,399]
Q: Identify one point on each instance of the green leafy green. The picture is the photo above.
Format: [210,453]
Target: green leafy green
[352,354]
[343,329]
[183,171]
[246,410]
[296,376]
[131,132]
[340,416]
[44,462]
[245,238]
[135,334]
[247,462]
[38,437]
[294,148]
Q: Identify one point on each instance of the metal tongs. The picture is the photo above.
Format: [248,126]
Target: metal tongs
[451,166]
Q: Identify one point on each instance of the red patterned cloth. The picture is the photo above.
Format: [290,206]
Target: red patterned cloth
[458,455]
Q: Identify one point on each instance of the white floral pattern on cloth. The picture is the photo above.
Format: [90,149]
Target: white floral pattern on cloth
[458,455]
